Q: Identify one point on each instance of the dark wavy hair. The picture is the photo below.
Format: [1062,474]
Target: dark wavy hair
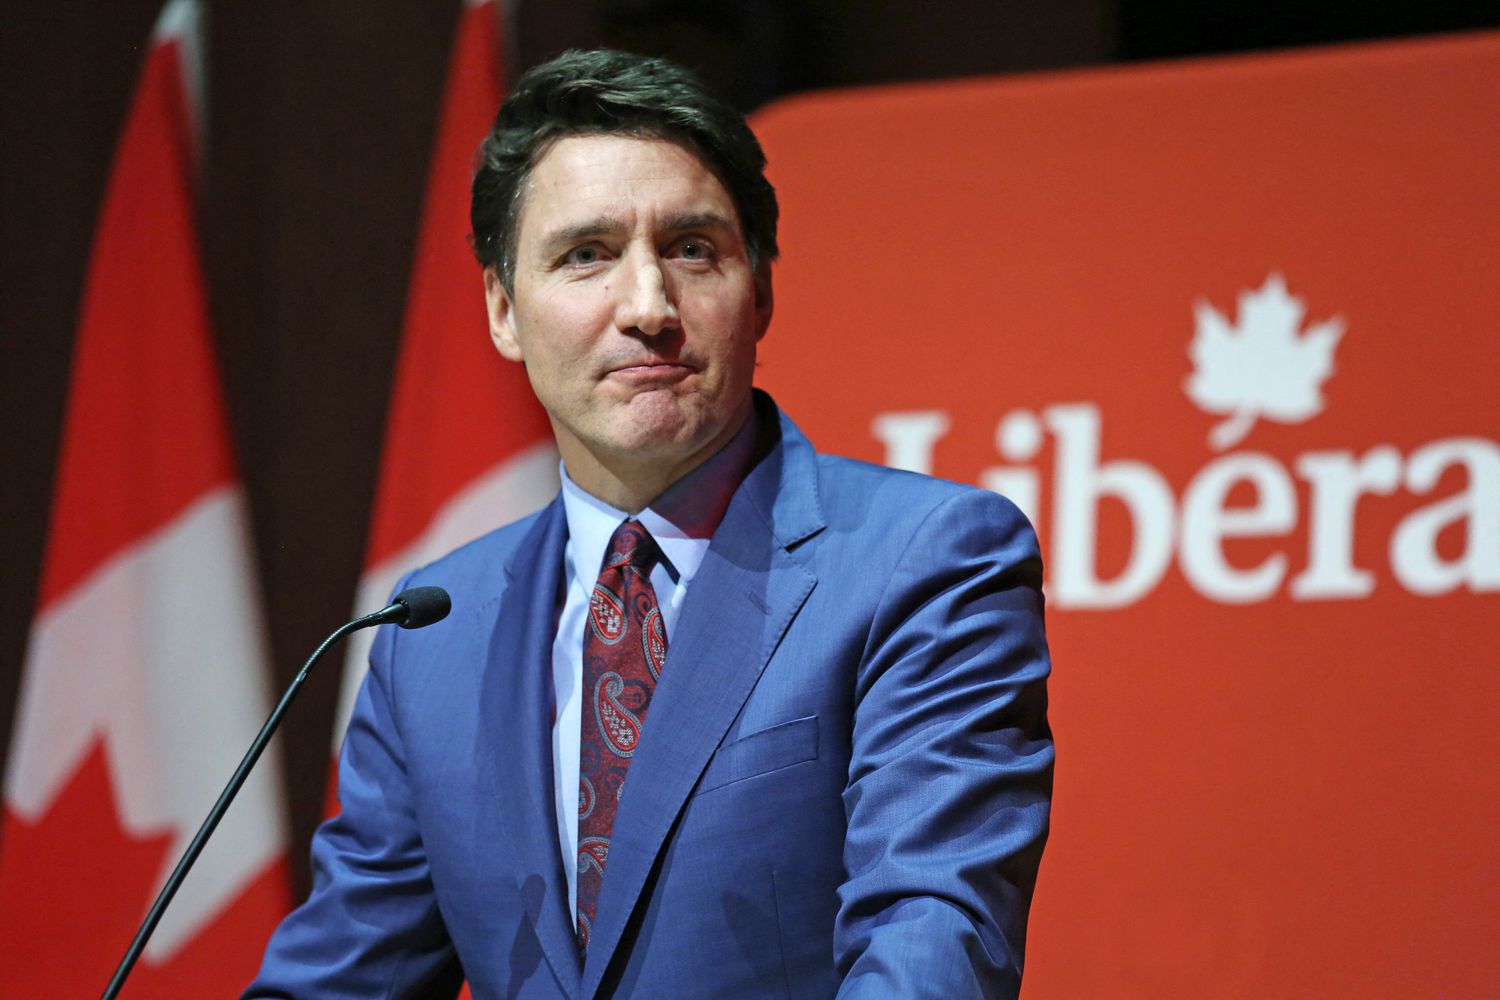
[604,92]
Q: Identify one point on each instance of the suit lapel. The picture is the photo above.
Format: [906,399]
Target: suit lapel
[515,771]
[746,593]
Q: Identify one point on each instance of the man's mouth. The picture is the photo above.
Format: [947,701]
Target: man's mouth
[650,372]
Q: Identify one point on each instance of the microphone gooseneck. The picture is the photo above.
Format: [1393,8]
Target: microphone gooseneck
[416,607]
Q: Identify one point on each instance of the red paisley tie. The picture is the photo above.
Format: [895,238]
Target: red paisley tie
[624,646]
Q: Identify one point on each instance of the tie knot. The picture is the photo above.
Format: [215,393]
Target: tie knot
[632,545]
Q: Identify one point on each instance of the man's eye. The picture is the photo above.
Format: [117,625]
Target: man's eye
[695,250]
[583,255]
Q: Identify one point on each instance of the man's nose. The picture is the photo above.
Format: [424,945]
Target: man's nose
[645,303]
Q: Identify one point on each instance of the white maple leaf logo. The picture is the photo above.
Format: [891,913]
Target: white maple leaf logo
[1263,367]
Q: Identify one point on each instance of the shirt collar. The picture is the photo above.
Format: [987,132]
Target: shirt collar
[682,520]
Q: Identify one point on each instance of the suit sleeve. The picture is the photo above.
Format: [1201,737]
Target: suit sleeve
[371,927]
[951,773]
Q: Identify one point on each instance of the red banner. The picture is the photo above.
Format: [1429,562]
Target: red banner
[1224,330]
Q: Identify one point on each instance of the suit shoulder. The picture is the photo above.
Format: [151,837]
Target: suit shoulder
[881,492]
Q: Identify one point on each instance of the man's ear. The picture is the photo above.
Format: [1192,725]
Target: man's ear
[764,301]
[502,316]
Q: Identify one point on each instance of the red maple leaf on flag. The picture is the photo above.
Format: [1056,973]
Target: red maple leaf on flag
[85,883]
[57,865]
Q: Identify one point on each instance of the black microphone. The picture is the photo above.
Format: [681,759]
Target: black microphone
[417,607]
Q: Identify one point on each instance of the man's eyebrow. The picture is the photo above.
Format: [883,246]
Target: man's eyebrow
[699,220]
[603,225]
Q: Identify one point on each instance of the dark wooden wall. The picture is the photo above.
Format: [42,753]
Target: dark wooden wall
[319,119]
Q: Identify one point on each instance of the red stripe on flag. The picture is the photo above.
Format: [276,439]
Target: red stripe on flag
[457,408]
[117,742]
[136,401]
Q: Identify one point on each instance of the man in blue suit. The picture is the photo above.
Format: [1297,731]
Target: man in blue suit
[823,680]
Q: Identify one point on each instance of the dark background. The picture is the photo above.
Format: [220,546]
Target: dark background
[319,119]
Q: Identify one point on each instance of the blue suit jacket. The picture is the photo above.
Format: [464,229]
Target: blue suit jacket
[842,787]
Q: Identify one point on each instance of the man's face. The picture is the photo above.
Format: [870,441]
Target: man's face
[634,307]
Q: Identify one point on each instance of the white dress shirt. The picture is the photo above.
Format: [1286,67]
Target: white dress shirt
[682,521]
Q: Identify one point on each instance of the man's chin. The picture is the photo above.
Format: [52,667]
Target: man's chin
[658,445]
[662,428]
[658,418]
[662,438]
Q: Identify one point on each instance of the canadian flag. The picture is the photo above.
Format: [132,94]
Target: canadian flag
[467,446]
[145,677]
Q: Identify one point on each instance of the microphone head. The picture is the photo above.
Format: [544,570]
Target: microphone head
[424,606]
